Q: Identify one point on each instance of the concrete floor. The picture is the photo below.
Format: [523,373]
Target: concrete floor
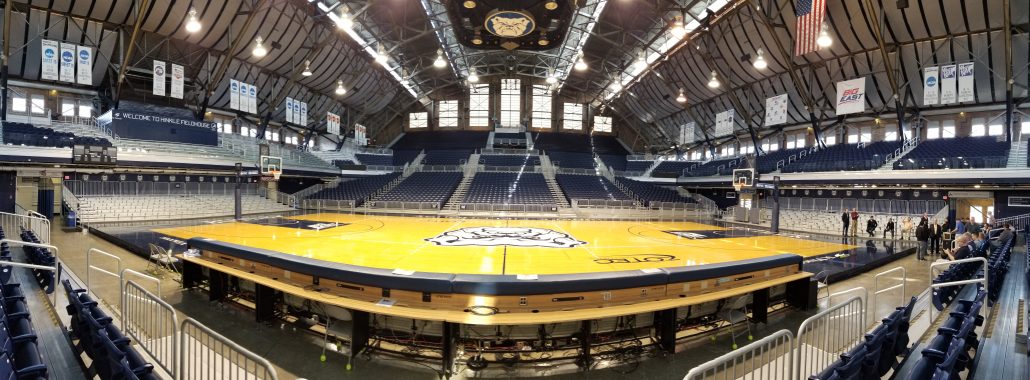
[296,355]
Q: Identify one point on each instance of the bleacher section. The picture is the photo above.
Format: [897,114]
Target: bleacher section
[572,142]
[845,157]
[27,134]
[618,162]
[401,157]
[431,187]
[948,353]
[638,166]
[649,193]
[343,164]
[670,168]
[956,153]
[376,159]
[357,190]
[20,350]
[446,157]
[511,160]
[418,141]
[714,167]
[162,207]
[111,352]
[878,351]
[509,188]
[510,140]
[589,187]
[767,163]
[571,159]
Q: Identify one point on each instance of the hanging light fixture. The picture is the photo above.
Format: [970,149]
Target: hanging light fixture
[477,38]
[259,48]
[344,21]
[682,98]
[339,88]
[543,41]
[192,24]
[714,82]
[641,62]
[760,62]
[616,86]
[678,30]
[381,57]
[307,69]
[469,4]
[551,78]
[440,62]
[551,5]
[824,39]
[473,77]
[581,65]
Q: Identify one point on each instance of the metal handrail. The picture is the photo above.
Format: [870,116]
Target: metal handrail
[876,285]
[57,273]
[187,369]
[90,268]
[983,280]
[726,364]
[841,338]
[152,323]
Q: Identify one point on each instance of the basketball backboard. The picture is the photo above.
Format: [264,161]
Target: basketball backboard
[271,165]
[743,178]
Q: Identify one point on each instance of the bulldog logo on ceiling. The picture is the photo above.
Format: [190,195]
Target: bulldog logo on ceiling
[509,24]
[513,236]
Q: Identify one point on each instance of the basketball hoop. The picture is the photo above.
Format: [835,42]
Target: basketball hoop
[738,185]
[276,174]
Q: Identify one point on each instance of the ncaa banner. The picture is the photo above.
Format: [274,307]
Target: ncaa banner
[252,98]
[159,78]
[851,96]
[48,60]
[67,62]
[85,65]
[776,110]
[234,94]
[177,81]
[948,75]
[289,110]
[724,123]
[965,82]
[931,88]
[303,113]
[687,133]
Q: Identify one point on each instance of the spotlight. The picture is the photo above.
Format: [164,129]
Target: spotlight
[641,62]
[477,39]
[551,78]
[192,24]
[824,39]
[259,48]
[682,98]
[473,77]
[339,88]
[469,4]
[616,87]
[381,57]
[678,30]
[440,62]
[543,41]
[714,82]
[581,65]
[345,21]
[307,69]
[760,62]
[551,5]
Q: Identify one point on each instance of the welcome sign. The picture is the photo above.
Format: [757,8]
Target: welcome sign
[138,125]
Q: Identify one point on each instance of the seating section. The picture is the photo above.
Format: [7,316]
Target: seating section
[715,167]
[877,352]
[419,141]
[845,157]
[638,166]
[357,190]
[343,164]
[28,134]
[589,187]
[509,188]
[767,163]
[424,187]
[498,135]
[671,168]
[575,142]
[403,157]
[374,159]
[20,351]
[997,268]
[650,194]
[446,157]
[111,352]
[956,153]
[577,160]
[617,162]
[159,207]
[40,256]
[527,160]
[948,354]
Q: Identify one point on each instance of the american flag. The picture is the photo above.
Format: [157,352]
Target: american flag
[809,22]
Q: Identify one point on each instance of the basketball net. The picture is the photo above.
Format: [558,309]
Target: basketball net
[739,184]
[276,174]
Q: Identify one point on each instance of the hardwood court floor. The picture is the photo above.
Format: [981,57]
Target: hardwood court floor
[487,246]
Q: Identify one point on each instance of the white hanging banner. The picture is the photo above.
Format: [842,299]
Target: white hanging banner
[48,60]
[67,62]
[851,96]
[359,135]
[289,110]
[252,99]
[724,123]
[85,65]
[303,113]
[159,78]
[948,76]
[776,110]
[332,123]
[234,94]
[931,88]
[687,133]
[178,79]
[965,82]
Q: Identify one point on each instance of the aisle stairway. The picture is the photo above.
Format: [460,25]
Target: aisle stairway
[556,192]
[1017,154]
[459,193]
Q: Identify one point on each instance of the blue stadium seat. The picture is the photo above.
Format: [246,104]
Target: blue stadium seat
[671,168]
[956,153]
[357,190]
[715,167]
[511,160]
[430,187]
[638,166]
[649,193]
[28,134]
[418,141]
[446,157]
[578,160]
[376,159]
[589,187]
[845,157]
[509,188]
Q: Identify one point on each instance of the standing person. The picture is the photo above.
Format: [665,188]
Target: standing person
[960,227]
[889,227]
[922,236]
[854,221]
[906,228]
[846,220]
[936,234]
[870,226]
[924,220]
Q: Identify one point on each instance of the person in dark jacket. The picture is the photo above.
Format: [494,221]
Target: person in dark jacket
[846,219]
[936,235]
[922,236]
[870,226]
[889,228]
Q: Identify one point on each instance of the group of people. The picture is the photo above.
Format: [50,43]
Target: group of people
[969,235]
[850,220]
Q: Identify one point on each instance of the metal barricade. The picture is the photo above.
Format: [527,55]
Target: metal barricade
[207,355]
[877,291]
[90,268]
[152,323]
[122,281]
[771,357]
[824,336]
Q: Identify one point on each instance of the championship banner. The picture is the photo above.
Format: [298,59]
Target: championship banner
[159,78]
[687,133]
[359,135]
[931,90]
[776,110]
[851,96]
[178,73]
[85,65]
[965,82]
[289,110]
[67,62]
[724,123]
[948,94]
[303,113]
[332,123]
[234,94]
[48,60]
[252,98]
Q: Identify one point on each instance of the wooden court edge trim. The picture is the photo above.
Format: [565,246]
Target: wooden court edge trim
[499,319]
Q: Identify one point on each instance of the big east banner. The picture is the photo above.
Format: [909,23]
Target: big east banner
[851,96]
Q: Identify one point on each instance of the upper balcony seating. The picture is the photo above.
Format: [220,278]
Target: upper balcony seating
[446,157]
[589,187]
[671,168]
[518,160]
[579,160]
[28,134]
[956,153]
[434,187]
[649,193]
[576,142]
[343,163]
[357,190]
[418,141]
[375,159]
[614,161]
[509,188]
[845,157]
[498,135]
[403,157]
[638,166]
[715,167]
[767,163]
